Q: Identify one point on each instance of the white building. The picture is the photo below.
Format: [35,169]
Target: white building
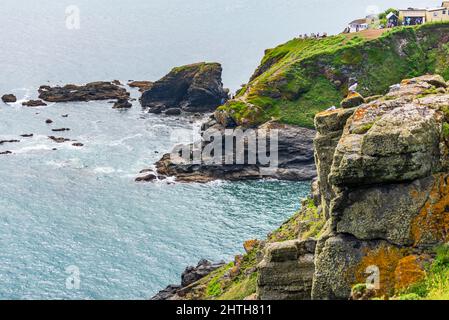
[358,25]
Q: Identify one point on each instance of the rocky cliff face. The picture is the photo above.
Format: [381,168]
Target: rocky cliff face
[192,88]
[383,177]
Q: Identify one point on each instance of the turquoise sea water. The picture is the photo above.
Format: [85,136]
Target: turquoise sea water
[80,206]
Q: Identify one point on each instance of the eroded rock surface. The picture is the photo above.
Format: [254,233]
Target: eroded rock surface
[286,272]
[384,184]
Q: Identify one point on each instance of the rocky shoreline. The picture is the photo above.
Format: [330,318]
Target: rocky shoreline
[189,276]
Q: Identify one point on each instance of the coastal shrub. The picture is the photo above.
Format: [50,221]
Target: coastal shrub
[436,284]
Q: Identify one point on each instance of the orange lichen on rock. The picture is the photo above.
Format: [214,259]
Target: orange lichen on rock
[250,245]
[431,226]
[409,271]
[385,259]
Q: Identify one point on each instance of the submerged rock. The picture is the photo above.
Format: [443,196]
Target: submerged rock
[89,92]
[60,130]
[77,144]
[192,88]
[9,98]
[58,139]
[34,103]
[8,141]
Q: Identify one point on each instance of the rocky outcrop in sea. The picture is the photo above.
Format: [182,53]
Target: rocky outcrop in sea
[192,88]
[92,91]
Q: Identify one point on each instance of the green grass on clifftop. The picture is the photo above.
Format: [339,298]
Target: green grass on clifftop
[304,76]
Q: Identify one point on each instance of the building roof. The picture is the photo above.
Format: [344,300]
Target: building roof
[391,14]
[359,21]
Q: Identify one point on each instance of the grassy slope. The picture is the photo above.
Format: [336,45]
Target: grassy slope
[305,76]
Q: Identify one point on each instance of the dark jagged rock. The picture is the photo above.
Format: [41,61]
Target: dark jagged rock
[9,98]
[5,152]
[89,92]
[8,141]
[27,135]
[188,277]
[48,121]
[192,88]
[122,104]
[77,144]
[34,103]
[142,85]
[60,130]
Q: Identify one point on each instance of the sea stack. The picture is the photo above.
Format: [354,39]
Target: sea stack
[192,88]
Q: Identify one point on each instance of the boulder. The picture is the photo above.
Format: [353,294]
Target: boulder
[9,98]
[146,178]
[91,91]
[122,104]
[192,88]
[354,99]
[77,144]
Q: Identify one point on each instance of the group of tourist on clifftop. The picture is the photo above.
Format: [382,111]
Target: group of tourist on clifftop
[313,36]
